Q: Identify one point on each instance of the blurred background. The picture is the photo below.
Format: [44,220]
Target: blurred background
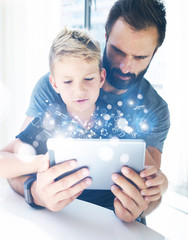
[27,28]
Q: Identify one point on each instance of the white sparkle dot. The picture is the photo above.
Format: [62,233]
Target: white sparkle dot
[124,158]
[106,153]
[145,111]
[109,106]
[107,117]
[114,141]
[35,144]
[119,103]
[140,96]
[131,102]
[144,126]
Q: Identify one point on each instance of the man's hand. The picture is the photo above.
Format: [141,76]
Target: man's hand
[129,203]
[156,183]
[55,195]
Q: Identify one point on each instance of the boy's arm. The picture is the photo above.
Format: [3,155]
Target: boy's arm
[17,182]
[14,163]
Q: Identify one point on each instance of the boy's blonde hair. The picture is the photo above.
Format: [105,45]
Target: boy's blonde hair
[77,43]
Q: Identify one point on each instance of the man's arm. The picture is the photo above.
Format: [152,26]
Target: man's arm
[131,201]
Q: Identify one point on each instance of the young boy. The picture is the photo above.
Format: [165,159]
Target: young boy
[77,75]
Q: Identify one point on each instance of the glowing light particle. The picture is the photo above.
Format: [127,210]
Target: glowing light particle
[107,117]
[35,143]
[131,102]
[140,96]
[124,158]
[119,103]
[144,126]
[128,129]
[109,106]
[71,128]
[106,153]
[122,123]
[114,141]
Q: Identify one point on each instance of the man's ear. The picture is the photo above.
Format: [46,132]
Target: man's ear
[103,77]
[53,83]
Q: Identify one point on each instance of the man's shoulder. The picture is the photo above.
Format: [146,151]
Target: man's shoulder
[150,94]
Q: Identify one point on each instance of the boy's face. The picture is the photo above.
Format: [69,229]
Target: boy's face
[128,54]
[78,82]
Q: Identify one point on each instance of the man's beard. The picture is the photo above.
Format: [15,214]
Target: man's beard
[117,82]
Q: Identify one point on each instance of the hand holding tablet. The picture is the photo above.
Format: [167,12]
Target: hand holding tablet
[102,156]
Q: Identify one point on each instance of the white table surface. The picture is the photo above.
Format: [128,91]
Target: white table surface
[79,220]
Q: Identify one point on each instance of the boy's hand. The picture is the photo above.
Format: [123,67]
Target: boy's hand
[55,195]
[154,181]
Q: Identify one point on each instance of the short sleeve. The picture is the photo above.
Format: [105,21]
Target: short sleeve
[43,94]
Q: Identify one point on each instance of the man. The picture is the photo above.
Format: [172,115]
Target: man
[134,31]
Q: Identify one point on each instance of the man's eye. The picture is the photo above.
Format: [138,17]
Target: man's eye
[88,79]
[140,57]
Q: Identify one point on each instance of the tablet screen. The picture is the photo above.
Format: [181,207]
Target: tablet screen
[102,156]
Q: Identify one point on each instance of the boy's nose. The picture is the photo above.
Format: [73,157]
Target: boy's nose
[80,89]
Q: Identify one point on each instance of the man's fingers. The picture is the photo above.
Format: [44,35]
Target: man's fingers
[129,189]
[122,212]
[125,200]
[150,191]
[134,177]
[148,171]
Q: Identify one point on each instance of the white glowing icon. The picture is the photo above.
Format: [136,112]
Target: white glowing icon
[140,96]
[106,153]
[124,158]
[107,117]
[109,106]
[128,129]
[119,103]
[122,123]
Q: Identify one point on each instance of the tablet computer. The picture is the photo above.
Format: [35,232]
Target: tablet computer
[102,156]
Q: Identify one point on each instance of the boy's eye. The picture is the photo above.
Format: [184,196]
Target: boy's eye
[69,81]
[88,79]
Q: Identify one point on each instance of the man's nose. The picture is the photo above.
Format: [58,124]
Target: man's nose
[126,64]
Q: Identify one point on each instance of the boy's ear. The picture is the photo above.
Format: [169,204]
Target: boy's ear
[103,77]
[53,83]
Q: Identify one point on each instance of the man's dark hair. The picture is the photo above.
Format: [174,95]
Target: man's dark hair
[139,14]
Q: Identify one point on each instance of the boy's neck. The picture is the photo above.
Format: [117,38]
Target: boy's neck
[83,118]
